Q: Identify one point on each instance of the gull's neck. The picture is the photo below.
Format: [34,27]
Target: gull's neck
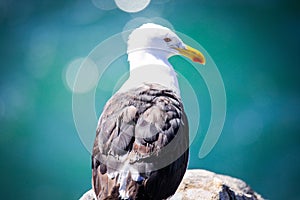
[149,66]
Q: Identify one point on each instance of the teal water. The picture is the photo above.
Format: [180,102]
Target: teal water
[255,45]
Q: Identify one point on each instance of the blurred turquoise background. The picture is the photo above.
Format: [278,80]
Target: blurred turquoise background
[254,43]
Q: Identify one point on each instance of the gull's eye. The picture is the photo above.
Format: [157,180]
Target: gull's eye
[167,39]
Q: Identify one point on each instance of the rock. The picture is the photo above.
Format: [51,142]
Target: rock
[206,185]
[89,195]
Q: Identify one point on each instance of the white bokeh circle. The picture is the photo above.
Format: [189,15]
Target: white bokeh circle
[90,70]
[132,6]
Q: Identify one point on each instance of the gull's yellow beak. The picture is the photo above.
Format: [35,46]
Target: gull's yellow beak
[192,54]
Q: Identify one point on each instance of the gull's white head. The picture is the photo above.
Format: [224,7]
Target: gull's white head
[162,42]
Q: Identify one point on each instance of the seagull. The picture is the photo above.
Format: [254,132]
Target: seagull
[141,147]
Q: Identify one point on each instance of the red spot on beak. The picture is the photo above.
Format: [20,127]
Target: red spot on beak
[195,59]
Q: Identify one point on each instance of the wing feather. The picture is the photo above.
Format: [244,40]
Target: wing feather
[145,132]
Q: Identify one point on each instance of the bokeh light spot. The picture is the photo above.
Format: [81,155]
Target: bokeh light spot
[83,13]
[132,5]
[105,4]
[89,72]
[70,72]
[163,22]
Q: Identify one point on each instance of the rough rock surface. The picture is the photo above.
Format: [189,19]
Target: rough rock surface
[206,185]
